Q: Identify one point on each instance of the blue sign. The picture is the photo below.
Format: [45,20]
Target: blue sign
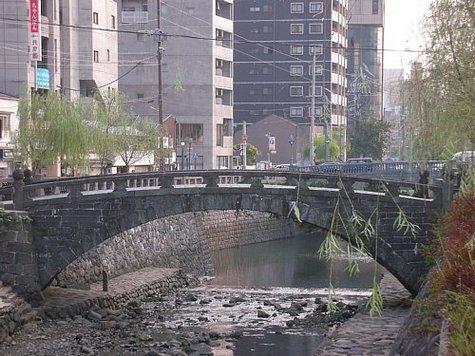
[42,78]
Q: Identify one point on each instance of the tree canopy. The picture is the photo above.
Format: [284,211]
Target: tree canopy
[439,98]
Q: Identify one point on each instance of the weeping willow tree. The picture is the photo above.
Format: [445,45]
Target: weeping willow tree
[50,131]
[439,98]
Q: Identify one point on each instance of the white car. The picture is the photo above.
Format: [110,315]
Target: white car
[465,156]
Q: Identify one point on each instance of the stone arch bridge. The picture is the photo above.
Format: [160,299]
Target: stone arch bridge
[72,216]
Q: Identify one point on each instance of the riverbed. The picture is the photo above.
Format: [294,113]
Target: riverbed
[264,299]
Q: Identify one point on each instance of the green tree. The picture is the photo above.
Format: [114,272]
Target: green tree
[319,147]
[439,98]
[252,153]
[369,137]
[333,149]
[50,131]
[139,137]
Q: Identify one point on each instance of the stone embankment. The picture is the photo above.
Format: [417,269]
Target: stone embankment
[183,241]
[14,313]
[135,286]
[366,335]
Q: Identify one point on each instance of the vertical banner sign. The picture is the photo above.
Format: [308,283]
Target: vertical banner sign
[35,31]
[271,144]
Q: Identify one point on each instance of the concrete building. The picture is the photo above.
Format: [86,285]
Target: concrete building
[283,129]
[365,58]
[274,75]
[141,84]
[196,74]
[9,123]
[75,60]
[89,58]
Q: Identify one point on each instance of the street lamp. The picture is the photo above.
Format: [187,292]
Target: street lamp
[182,144]
[190,142]
[291,142]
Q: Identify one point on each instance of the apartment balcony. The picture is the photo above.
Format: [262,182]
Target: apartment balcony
[224,9]
[224,82]
[224,38]
[134,17]
[223,53]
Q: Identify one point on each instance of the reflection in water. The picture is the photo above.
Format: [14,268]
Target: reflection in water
[286,263]
[292,264]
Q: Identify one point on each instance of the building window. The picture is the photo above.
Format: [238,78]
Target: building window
[96,56]
[140,37]
[296,70]
[375,7]
[296,49]
[139,95]
[266,29]
[315,28]
[317,48]
[254,9]
[315,7]
[318,111]
[296,112]
[223,162]
[187,131]
[267,91]
[113,21]
[4,121]
[267,8]
[318,69]
[318,91]
[296,91]
[95,18]
[266,70]
[268,50]
[296,8]
[108,55]
[296,29]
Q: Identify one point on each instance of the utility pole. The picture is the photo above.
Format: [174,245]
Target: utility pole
[244,145]
[158,36]
[312,109]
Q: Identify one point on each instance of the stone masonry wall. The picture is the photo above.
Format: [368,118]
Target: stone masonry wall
[182,241]
[18,264]
[229,229]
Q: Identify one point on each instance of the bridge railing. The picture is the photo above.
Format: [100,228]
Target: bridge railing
[76,188]
[384,169]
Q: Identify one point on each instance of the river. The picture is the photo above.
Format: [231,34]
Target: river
[268,274]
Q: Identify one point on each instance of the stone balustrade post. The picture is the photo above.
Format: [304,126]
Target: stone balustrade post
[211,180]
[18,193]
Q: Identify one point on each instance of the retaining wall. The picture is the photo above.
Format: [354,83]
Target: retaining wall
[183,241]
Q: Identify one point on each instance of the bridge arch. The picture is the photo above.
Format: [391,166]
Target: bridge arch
[75,218]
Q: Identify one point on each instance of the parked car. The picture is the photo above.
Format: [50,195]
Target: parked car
[465,156]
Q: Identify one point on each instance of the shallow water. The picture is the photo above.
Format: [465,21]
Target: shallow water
[282,269]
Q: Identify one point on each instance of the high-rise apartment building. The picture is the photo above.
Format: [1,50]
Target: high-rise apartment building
[274,46]
[365,58]
[197,75]
[138,56]
[67,45]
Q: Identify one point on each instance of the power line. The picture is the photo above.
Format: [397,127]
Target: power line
[203,38]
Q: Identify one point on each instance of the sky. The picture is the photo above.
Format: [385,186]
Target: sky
[402,30]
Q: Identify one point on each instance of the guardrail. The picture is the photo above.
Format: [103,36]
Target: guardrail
[73,189]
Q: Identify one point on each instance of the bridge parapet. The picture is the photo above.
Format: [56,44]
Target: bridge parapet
[75,189]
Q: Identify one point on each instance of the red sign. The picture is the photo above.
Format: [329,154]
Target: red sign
[35,30]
